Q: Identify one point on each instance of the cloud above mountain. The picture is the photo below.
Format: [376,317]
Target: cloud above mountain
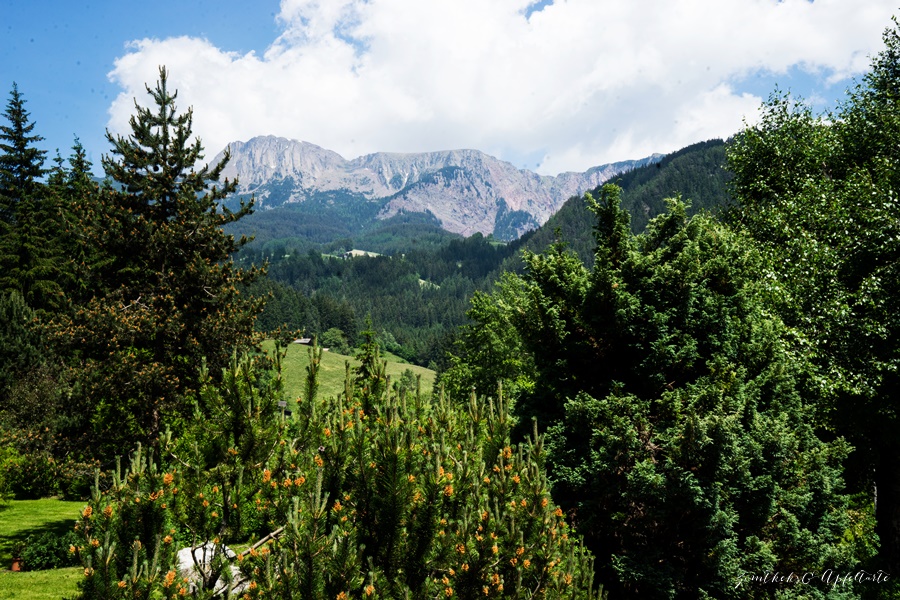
[551,86]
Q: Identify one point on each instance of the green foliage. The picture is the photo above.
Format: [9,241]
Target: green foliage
[163,293]
[31,257]
[49,550]
[20,348]
[334,339]
[489,351]
[697,172]
[21,164]
[371,374]
[409,499]
[31,261]
[819,196]
[669,395]
[8,459]
[29,476]
[318,219]
[408,383]
[27,472]
[130,289]
[418,296]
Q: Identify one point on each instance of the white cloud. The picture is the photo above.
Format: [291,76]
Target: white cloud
[579,83]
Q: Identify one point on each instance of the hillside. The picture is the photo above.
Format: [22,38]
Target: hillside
[332,371]
[315,292]
[697,173]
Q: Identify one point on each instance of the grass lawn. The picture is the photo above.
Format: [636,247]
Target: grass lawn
[40,585]
[331,371]
[18,520]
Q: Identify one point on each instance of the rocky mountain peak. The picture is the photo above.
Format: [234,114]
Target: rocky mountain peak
[468,191]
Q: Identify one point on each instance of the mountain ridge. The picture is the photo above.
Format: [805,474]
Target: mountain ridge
[467,191]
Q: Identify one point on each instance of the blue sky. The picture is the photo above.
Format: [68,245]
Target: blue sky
[60,52]
[550,85]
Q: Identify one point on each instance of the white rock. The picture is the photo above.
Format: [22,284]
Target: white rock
[194,564]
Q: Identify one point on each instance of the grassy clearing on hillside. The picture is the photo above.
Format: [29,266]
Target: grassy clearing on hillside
[18,520]
[332,371]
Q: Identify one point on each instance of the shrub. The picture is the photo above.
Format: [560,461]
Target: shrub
[408,499]
[49,551]
[8,458]
[30,476]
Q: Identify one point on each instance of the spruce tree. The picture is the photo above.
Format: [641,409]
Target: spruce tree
[32,262]
[167,292]
[21,163]
[79,199]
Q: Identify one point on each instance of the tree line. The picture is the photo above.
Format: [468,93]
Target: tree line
[113,296]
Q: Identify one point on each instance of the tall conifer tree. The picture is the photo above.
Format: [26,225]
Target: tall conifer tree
[21,163]
[31,261]
[168,295]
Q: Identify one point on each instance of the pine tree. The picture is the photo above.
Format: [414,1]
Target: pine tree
[167,292]
[31,259]
[21,164]
[370,375]
[417,498]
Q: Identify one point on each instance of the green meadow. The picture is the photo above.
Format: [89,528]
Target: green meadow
[332,370]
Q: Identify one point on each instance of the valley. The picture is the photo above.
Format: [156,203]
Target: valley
[314,291]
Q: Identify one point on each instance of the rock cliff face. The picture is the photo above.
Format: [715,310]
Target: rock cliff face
[466,190]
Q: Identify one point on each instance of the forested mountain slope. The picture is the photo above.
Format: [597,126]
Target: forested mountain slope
[418,291]
[697,173]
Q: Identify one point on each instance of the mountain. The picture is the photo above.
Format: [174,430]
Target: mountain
[418,291]
[465,191]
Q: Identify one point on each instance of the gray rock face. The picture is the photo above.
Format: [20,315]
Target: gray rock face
[466,190]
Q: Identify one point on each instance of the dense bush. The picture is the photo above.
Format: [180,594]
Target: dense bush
[49,551]
[368,495]
[29,476]
[7,456]
[37,474]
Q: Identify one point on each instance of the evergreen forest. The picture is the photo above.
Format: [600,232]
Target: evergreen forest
[684,385]
[417,280]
